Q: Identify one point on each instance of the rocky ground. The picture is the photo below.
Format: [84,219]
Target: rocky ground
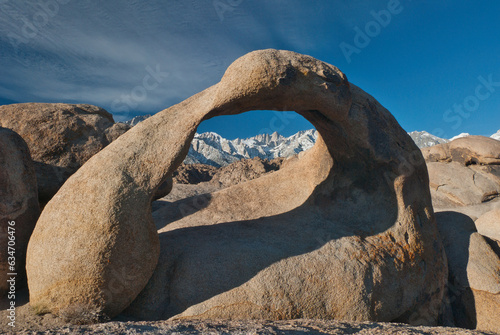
[29,323]
[294,327]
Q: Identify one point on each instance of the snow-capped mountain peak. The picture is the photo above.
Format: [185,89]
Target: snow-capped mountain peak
[209,134]
[211,148]
[496,136]
[137,119]
[424,139]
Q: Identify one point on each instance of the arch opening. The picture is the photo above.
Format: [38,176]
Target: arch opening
[216,162]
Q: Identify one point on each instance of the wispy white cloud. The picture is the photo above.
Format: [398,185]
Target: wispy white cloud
[97,52]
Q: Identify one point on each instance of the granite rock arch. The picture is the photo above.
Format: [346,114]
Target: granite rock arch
[104,247]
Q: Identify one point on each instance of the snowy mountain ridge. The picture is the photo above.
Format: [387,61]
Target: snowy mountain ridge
[213,149]
[424,139]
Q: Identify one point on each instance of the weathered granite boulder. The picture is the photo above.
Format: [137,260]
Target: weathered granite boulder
[488,224]
[474,268]
[464,179]
[193,173]
[61,137]
[465,174]
[19,208]
[245,169]
[345,232]
[455,185]
[470,150]
[116,130]
[229,175]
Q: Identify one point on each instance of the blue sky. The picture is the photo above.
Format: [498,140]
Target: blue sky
[434,65]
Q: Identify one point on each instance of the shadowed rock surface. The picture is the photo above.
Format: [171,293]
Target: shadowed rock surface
[210,177]
[471,307]
[18,205]
[29,323]
[474,273]
[465,183]
[61,137]
[200,179]
[285,245]
[193,173]
[245,170]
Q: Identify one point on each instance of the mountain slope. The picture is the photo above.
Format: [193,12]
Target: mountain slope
[211,148]
[136,119]
[424,139]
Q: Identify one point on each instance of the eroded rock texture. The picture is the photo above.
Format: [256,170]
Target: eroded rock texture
[61,137]
[465,183]
[465,174]
[488,224]
[19,208]
[345,232]
[474,272]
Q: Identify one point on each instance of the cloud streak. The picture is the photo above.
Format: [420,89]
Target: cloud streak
[96,52]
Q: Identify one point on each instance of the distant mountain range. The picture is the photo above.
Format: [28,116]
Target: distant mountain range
[424,139]
[136,119]
[212,149]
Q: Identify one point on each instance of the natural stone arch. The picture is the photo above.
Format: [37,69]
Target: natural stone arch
[95,245]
